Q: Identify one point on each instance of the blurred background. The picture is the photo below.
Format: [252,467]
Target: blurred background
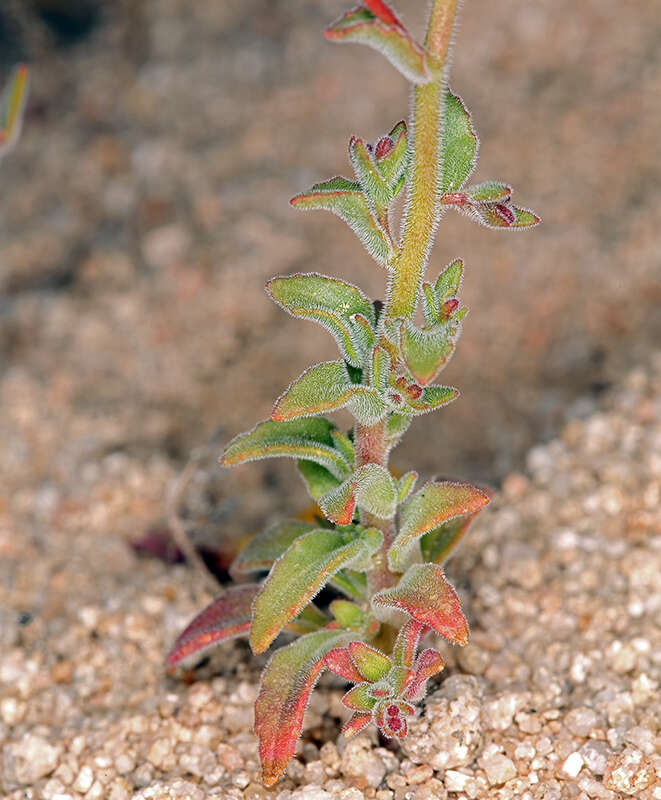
[147,203]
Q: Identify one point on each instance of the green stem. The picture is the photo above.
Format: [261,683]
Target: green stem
[423,209]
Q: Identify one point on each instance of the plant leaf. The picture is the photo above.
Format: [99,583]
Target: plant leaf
[429,662]
[392,164]
[427,351]
[434,504]
[459,144]
[403,652]
[523,218]
[297,576]
[380,368]
[356,724]
[490,191]
[392,40]
[376,189]
[448,282]
[351,583]
[12,107]
[284,690]
[340,662]
[317,478]
[264,548]
[424,593]
[328,301]
[405,485]
[348,614]
[437,545]
[371,487]
[345,199]
[227,617]
[309,620]
[302,438]
[370,662]
[327,387]
[433,397]
[358,698]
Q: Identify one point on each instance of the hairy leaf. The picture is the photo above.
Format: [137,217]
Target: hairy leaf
[449,281]
[328,301]
[391,39]
[504,215]
[406,644]
[380,368]
[433,397]
[371,663]
[424,593]
[297,576]
[429,662]
[327,387]
[344,445]
[284,690]
[437,545]
[371,487]
[225,618]
[405,485]
[340,662]
[317,478]
[351,583]
[368,176]
[309,620]
[391,159]
[302,438]
[266,547]
[491,191]
[358,698]
[348,614]
[346,199]
[459,144]
[356,724]
[426,352]
[434,504]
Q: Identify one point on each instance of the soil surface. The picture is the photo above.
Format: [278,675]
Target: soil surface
[142,211]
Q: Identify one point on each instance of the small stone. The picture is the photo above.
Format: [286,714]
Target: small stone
[419,774]
[499,769]
[359,761]
[595,755]
[311,793]
[629,772]
[30,758]
[573,764]
[580,721]
[159,751]
[84,779]
[456,781]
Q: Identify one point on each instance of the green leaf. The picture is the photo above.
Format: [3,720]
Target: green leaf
[491,191]
[424,594]
[396,426]
[427,351]
[227,617]
[392,164]
[434,504]
[260,553]
[351,583]
[358,698]
[448,282]
[406,644]
[361,26]
[348,614]
[370,662]
[327,387]
[524,218]
[405,485]
[309,620]
[434,397]
[368,176]
[380,371]
[328,301]
[362,336]
[284,690]
[437,545]
[309,439]
[370,487]
[297,576]
[318,480]
[345,199]
[344,445]
[458,145]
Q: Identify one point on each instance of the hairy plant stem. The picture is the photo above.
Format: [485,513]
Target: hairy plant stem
[423,209]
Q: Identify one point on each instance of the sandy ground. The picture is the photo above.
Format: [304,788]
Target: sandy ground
[141,214]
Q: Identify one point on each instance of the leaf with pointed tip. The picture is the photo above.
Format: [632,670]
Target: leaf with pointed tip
[301,438]
[523,218]
[405,485]
[448,282]
[318,480]
[427,351]
[340,662]
[392,164]
[371,487]
[356,724]
[490,191]
[297,576]
[424,594]
[264,548]
[406,643]
[433,397]
[345,199]
[437,545]
[429,662]
[368,176]
[459,144]
[358,698]
[380,368]
[328,301]
[344,445]
[434,504]
[504,216]
[327,387]
[372,664]
[351,583]
[227,617]
[396,427]
[348,614]
[284,690]
[362,336]
[392,40]
[12,107]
